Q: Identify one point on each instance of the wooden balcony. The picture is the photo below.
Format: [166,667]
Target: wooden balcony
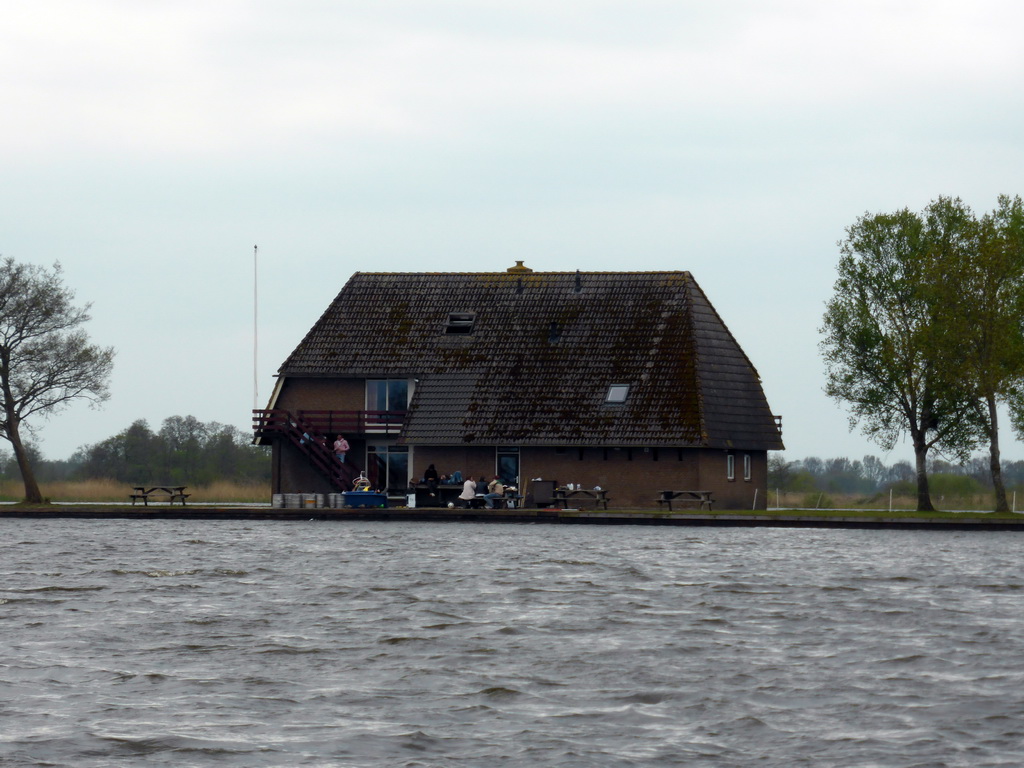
[329,423]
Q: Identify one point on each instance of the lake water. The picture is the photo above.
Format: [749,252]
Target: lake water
[176,643]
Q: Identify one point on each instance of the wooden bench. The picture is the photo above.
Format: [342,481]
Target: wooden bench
[566,495]
[480,502]
[168,493]
[701,498]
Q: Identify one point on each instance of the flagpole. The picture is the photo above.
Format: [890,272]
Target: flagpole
[255,332]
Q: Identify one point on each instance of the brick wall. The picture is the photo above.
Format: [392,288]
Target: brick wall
[739,493]
[322,395]
[632,477]
[293,472]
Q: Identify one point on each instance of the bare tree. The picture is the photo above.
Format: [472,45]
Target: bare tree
[46,359]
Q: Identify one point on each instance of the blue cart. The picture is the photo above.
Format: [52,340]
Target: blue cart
[358,499]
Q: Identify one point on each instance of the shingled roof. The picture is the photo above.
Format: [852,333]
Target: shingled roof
[543,349]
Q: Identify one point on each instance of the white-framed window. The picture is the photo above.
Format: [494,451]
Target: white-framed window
[386,401]
[617,393]
[746,467]
[387,394]
[730,467]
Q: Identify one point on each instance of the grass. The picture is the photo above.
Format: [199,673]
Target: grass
[99,491]
[817,501]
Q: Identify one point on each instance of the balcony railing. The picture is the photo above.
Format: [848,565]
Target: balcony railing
[330,423]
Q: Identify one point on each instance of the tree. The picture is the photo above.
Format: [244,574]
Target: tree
[183,439]
[875,471]
[880,347]
[184,451]
[46,359]
[780,471]
[979,314]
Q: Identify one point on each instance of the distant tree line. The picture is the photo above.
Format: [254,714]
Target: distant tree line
[184,451]
[871,475]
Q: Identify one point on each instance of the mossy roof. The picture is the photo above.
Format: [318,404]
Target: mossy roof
[543,351]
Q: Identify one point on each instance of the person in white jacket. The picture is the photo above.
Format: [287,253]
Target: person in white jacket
[468,491]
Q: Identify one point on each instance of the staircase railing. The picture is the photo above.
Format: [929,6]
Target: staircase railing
[310,441]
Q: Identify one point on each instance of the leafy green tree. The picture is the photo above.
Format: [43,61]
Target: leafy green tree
[980,311]
[46,359]
[182,443]
[880,348]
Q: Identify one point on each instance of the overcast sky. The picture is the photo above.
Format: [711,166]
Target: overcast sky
[148,146]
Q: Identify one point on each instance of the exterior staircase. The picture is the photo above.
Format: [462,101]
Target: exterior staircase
[320,453]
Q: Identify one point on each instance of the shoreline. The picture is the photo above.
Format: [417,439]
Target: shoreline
[549,516]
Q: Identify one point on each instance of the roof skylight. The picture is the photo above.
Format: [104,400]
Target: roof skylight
[617,393]
[460,322]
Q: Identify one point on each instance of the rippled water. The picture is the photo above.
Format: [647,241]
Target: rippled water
[394,644]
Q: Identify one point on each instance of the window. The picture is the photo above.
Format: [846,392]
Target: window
[460,322]
[387,394]
[507,465]
[387,400]
[746,467]
[387,466]
[617,393]
[730,467]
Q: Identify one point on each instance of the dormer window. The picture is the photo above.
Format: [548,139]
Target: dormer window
[460,322]
[617,393]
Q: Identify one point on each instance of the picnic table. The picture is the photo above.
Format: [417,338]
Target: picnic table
[168,493]
[598,495]
[701,498]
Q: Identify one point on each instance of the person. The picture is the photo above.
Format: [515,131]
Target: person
[468,492]
[432,480]
[495,490]
[314,438]
[341,448]
[481,485]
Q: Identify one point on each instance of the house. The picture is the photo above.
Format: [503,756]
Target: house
[625,380]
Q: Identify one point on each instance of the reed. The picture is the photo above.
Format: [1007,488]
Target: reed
[976,502]
[100,490]
[223,491]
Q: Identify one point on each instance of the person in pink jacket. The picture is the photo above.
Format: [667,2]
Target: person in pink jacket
[341,448]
